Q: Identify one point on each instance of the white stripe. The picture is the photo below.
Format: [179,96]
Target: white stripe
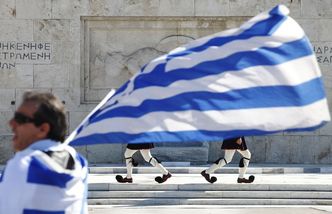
[252,44]
[201,41]
[265,15]
[282,118]
[230,32]
[52,198]
[282,74]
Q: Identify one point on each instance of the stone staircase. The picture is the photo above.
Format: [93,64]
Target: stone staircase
[273,186]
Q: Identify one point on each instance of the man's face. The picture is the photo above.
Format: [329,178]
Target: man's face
[24,130]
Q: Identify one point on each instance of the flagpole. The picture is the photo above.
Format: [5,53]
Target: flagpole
[105,99]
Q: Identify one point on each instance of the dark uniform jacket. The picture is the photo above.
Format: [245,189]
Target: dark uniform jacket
[231,144]
[138,146]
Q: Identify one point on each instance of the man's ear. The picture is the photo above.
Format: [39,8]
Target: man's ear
[44,130]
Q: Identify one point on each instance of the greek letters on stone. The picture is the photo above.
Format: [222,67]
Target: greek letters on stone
[15,52]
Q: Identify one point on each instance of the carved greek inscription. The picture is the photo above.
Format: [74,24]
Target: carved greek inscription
[14,52]
[323,53]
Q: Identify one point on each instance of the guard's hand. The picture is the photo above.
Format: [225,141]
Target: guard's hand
[239,141]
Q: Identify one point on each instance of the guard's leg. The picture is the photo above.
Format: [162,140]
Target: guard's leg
[218,164]
[243,166]
[129,164]
[156,163]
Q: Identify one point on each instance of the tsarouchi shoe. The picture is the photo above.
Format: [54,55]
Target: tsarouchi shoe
[163,179]
[244,180]
[207,177]
[121,179]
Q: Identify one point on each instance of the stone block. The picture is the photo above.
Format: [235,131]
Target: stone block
[183,144]
[176,8]
[105,153]
[53,76]
[310,148]
[322,150]
[75,30]
[211,8]
[8,9]
[316,9]
[74,76]
[315,132]
[65,52]
[127,8]
[277,150]
[324,67]
[312,31]
[75,118]
[142,8]
[63,9]
[16,30]
[257,146]
[245,8]
[69,96]
[324,29]
[19,77]
[194,155]
[318,31]
[326,130]
[5,116]
[7,98]
[298,151]
[82,150]
[6,149]
[215,151]
[293,6]
[33,9]
[51,30]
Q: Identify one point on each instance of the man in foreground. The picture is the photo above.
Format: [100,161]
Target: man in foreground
[44,176]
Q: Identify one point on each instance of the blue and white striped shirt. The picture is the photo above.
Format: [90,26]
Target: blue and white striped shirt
[35,182]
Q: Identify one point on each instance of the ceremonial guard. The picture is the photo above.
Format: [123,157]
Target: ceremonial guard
[230,146]
[144,149]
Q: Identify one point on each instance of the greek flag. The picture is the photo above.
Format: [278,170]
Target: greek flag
[258,79]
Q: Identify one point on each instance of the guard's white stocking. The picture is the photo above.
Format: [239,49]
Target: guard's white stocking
[129,161]
[229,153]
[246,159]
[148,158]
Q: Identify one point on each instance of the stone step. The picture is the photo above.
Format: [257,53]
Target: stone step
[193,154]
[204,201]
[210,194]
[210,187]
[190,188]
[185,168]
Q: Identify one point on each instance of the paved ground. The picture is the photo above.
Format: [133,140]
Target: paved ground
[291,177]
[211,210]
[306,178]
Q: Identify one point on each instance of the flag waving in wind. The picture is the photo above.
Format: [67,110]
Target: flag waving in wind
[257,79]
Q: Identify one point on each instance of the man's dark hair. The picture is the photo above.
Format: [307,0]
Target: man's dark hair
[50,110]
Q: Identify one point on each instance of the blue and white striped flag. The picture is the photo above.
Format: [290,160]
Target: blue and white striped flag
[258,79]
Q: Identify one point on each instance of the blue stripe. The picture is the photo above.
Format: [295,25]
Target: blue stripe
[255,97]
[264,56]
[30,211]
[39,173]
[176,137]
[262,28]
[2,174]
